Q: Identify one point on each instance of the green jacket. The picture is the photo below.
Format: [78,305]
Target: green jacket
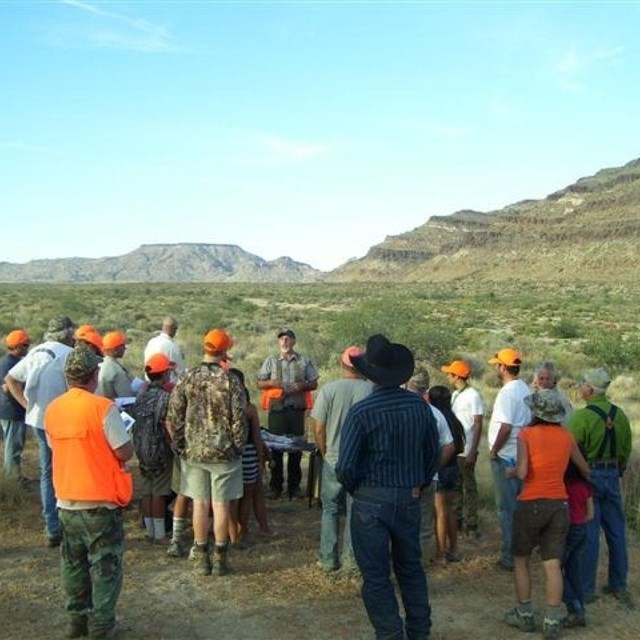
[588,429]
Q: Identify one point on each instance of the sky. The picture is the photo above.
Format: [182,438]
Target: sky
[303,129]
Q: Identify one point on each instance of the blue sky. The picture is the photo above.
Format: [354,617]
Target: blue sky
[310,129]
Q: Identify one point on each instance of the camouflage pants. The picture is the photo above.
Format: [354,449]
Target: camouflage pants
[91,564]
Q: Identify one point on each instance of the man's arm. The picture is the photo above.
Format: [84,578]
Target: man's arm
[125,452]
[320,431]
[16,389]
[447,452]
[472,456]
[501,439]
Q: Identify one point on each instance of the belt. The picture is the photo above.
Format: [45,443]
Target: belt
[604,464]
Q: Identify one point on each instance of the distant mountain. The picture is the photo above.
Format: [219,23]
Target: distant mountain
[586,232]
[164,263]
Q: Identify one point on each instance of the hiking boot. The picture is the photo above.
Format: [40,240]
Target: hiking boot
[175,549]
[201,560]
[551,629]
[54,541]
[220,565]
[574,619]
[77,627]
[522,620]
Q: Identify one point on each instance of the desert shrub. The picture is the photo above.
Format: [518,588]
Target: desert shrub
[613,350]
[565,329]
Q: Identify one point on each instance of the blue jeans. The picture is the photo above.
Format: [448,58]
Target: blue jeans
[15,434]
[383,519]
[47,494]
[609,514]
[506,494]
[334,499]
[572,561]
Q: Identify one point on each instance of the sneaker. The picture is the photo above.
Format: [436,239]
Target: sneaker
[621,595]
[551,629]
[175,550]
[574,619]
[453,556]
[54,541]
[498,564]
[522,620]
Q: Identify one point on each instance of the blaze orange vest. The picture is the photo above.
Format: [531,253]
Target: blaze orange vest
[84,465]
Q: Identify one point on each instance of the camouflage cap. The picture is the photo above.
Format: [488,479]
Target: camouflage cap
[59,324]
[598,378]
[547,405]
[80,364]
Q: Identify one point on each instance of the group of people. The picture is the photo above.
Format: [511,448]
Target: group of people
[398,457]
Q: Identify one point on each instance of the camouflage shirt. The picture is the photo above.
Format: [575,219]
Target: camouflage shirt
[207,411]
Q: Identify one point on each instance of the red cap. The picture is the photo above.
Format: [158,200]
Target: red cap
[158,363]
[217,340]
[16,338]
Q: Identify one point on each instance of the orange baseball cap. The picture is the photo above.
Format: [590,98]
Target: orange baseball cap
[457,368]
[158,363]
[217,340]
[16,338]
[347,353]
[114,339]
[90,334]
[508,357]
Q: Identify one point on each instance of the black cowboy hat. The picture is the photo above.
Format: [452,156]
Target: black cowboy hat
[385,363]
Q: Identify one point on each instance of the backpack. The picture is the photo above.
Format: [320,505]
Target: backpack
[150,440]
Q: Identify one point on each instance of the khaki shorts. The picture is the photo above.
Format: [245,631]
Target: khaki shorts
[159,485]
[177,474]
[540,523]
[215,481]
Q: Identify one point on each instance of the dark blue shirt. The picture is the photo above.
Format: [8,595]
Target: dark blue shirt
[389,439]
[10,408]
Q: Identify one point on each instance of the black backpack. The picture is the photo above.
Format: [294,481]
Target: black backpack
[150,440]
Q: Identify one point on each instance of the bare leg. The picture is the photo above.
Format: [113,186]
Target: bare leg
[522,578]
[201,510]
[441,526]
[222,521]
[158,506]
[181,506]
[244,512]
[553,574]
[260,508]
[234,524]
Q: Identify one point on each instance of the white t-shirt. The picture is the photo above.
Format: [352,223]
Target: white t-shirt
[162,343]
[509,408]
[465,404]
[41,389]
[444,433]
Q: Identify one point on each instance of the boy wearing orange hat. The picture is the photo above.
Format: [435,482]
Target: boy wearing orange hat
[467,405]
[14,429]
[114,380]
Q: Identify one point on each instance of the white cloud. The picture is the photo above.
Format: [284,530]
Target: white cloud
[115,31]
[572,66]
[259,148]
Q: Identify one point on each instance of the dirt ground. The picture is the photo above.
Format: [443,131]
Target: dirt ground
[276,592]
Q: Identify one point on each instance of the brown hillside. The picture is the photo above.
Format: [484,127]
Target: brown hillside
[588,231]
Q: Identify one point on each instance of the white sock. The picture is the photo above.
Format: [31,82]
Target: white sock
[148,525]
[159,530]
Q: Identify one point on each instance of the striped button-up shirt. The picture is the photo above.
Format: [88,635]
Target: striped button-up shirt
[389,439]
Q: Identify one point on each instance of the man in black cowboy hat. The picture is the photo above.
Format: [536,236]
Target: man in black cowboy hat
[388,452]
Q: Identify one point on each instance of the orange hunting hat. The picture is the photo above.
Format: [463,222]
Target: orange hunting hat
[458,368]
[158,363]
[347,353]
[217,340]
[508,357]
[113,340]
[88,333]
[16,338]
